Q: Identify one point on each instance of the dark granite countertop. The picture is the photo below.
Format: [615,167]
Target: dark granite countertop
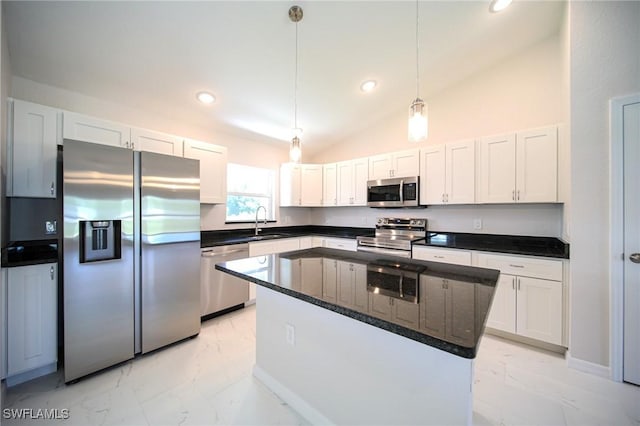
[437,304]
[245,235]
[511,244]
[26,253]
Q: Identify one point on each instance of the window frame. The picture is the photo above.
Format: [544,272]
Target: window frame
[272,196]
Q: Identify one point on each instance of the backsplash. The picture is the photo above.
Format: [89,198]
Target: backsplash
[540,220]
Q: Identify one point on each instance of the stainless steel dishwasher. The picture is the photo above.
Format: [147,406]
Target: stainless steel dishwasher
[220,291]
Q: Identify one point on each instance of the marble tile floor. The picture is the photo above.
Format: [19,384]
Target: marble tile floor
[207,381]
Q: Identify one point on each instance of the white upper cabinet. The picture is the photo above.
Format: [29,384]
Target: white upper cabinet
[213,169]
[300,185]
[537,165]
[32,145]
[150,141]
[290,185]
[352,182]
[90,129]
[394,164]
[311,185]
[330,184]
[448,173]
[521,168]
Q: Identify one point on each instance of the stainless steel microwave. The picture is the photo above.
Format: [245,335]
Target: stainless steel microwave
[396,192]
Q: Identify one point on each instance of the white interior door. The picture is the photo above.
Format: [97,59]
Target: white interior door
[631,138]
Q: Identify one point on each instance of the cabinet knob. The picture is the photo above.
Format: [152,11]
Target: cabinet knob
[518,195]
[513,195]
[52,188]
[51,273]
[635,257]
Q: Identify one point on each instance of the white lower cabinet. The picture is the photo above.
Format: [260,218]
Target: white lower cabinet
[31,317]
[529,297]
[273,246]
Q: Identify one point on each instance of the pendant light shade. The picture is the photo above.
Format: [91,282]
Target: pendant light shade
[295,151]
[418,124]
[418,117]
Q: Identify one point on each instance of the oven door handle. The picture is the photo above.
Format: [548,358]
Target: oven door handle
[401,191]
[392,252]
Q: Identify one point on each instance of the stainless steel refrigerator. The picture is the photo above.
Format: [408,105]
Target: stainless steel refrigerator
[131,252]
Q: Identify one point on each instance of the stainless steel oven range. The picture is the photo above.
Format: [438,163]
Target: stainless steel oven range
[394,236]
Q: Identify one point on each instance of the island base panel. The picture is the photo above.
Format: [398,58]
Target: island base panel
[343,371]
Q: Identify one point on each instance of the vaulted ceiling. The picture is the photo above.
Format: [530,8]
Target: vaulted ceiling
[157,55]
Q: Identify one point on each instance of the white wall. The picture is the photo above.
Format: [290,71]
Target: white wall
[260,154]
[605,62]
[525,91]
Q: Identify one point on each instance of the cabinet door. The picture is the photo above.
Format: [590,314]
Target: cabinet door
[360,173]
[213,170]
[31,317]
[345,183]
[311,185]
[34,151]
[361,295]
[432,177]
[502,315]
[380,167]
[460,172]
[406,163]
[160,143]
[537,166]
[290,185]
[497,163]
[330,185]
[539,309]
[90,129]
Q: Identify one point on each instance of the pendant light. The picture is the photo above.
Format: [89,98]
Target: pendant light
[295,152]
[418,125]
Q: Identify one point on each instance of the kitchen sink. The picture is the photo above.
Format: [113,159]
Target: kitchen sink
[267,237]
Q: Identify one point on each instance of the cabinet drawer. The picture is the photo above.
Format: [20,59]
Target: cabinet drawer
[341,244]
[522,266]
[456,257]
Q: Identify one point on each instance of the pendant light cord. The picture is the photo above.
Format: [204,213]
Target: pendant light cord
[417,56]
[295,88]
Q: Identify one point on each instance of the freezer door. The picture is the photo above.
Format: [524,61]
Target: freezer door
[170,249]
[99,295]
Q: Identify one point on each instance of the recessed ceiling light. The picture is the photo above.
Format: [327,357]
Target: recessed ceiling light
[498,5]
[206,97]
[368,85]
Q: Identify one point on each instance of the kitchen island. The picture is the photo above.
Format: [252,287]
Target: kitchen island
[361,338]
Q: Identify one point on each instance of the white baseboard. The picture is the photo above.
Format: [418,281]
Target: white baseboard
[292,399]
[588,367]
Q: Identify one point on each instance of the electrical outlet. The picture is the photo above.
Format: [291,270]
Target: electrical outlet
[291,334]
[477,224]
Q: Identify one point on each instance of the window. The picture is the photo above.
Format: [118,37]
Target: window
[247,189]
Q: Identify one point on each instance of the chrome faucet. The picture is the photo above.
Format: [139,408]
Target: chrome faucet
[265,218]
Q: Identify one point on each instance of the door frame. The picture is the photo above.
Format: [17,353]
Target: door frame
[616,222]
